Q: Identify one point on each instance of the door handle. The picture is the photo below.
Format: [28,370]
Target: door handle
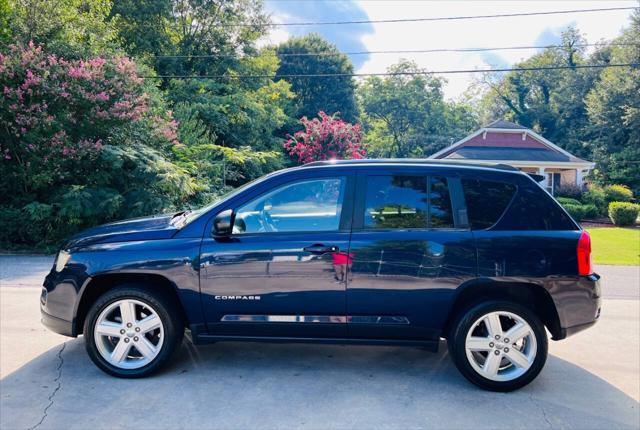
[320,249]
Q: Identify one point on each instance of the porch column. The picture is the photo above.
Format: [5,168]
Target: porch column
[579,178]
[544,181]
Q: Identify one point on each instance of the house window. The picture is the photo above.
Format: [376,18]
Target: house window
[553,181]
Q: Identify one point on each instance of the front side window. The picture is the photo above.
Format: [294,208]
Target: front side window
[307,205]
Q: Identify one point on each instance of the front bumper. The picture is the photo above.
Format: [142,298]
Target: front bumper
[57,325]
[58,303]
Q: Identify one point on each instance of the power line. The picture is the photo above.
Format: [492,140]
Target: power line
[357,75]
[408,51]
[441,18]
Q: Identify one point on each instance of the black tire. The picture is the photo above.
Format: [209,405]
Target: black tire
[464,322]
[169,314]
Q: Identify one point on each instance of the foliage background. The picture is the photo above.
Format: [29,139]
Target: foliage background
[108,110]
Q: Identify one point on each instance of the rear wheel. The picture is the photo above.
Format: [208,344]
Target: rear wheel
[499,346]
[131,332]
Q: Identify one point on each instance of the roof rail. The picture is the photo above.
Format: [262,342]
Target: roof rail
[425,161]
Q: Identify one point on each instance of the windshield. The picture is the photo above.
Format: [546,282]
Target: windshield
[190,216]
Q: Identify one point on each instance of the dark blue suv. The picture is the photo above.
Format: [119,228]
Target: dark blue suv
[401,252]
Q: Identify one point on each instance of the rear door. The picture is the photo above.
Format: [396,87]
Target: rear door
[410,248]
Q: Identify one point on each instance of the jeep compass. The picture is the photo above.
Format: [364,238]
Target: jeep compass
[400,252]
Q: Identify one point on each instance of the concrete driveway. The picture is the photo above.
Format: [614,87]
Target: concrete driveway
[591,380]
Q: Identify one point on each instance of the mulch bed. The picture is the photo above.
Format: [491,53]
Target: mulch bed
[601,222]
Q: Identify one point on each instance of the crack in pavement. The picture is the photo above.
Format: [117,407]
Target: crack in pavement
[55,391]
[544,413]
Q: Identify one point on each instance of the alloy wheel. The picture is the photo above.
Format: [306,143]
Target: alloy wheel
[501,346]
[129,334]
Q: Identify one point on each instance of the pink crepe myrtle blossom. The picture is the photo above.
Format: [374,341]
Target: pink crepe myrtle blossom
[325,138]
[59,110]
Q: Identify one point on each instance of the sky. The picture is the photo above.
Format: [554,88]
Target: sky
[477,33]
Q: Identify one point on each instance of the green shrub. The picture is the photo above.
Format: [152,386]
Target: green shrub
[596,196]
[577,212]
[11,224]
[590,211]
[623,213]
[569,191]
[567,201]
[618,193]
[85,142]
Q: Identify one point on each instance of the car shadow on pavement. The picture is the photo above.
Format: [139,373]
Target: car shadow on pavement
[262,385]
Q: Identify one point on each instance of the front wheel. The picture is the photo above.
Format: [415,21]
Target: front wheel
[499,346]
[131,332]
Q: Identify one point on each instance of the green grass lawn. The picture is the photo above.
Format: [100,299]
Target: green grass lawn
[615,245]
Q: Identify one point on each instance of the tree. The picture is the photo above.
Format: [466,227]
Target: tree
[213,166]
[613,106]
[213,37]
[590,112]
[185,37]
[239,112]
[325,138]
[6,12]
[81,142]
[405,114]
[314,94]
[550,102]
[68,28]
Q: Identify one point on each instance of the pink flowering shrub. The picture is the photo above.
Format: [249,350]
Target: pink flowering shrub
[56,112]
[325,138]
[82,142]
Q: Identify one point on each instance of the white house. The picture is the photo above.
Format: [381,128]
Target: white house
[508,143]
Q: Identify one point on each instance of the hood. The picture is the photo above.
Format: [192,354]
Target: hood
[147,228]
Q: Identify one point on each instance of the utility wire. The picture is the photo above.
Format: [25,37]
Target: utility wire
[434,72]
[409,51]
[441,18]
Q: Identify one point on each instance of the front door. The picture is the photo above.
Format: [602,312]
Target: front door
[410,249]
[276,275]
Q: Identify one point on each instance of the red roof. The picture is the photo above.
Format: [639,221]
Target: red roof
[506,141]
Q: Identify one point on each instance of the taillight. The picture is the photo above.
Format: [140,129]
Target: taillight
[584,254]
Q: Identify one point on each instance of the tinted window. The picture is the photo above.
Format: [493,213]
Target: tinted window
[396,202]
[309,205]
[534,209]
[486,201]
[440,204]
[406,202]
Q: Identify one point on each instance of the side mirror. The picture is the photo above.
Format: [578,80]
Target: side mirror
[223,223]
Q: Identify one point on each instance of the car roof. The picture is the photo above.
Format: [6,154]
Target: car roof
[412,162]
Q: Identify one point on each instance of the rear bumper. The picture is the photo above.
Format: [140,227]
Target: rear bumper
[579,307]
[569,331]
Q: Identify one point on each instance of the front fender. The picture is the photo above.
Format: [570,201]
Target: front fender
[176,260]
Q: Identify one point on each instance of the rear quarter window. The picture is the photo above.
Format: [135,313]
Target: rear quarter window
[534,209]
[486,201]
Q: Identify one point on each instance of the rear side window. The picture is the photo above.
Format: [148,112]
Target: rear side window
[486,201]
[534,209]
[396,202]
[440,210]
[407,202]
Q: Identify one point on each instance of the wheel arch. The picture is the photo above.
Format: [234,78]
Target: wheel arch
[102,283]
[531,295]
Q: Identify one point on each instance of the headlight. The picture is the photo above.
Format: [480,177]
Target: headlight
[61,261]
